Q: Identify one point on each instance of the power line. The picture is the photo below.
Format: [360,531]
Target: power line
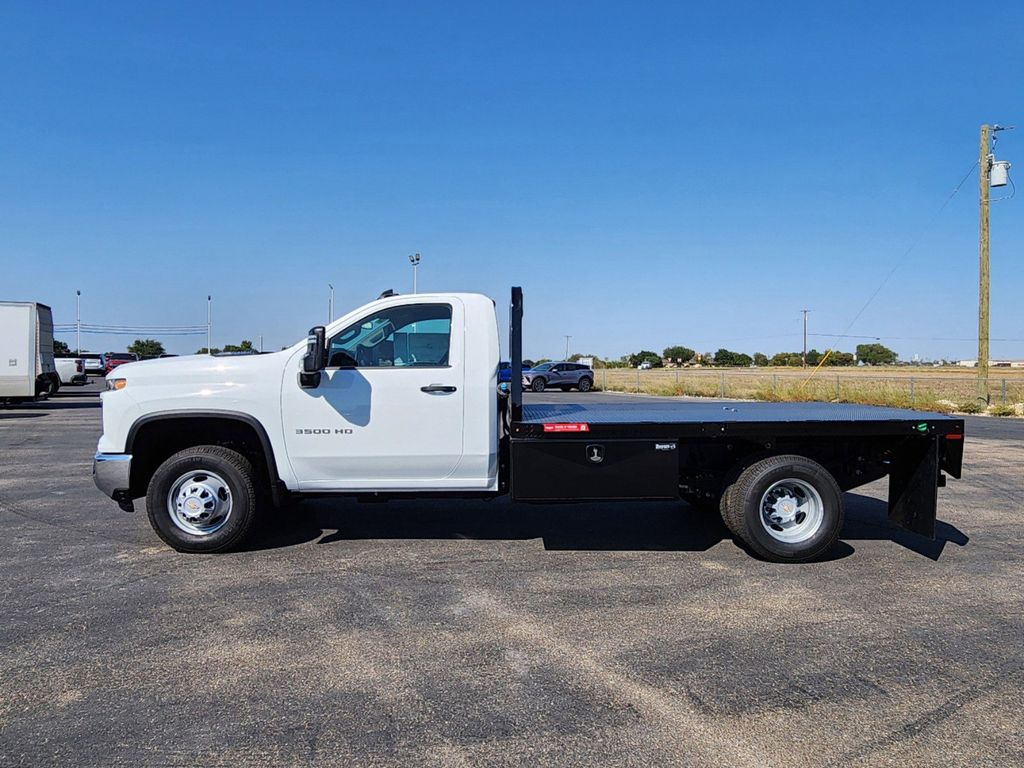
[913,245]
[901,338]
[130,332]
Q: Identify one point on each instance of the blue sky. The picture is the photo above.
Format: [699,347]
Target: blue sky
[650,173]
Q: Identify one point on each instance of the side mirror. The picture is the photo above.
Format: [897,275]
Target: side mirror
[316,358]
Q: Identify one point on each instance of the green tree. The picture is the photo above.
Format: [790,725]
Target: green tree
[146,348]
[678,354]
[60,348]
[813,357]
[245,346]
[875,354]
[204,350]
[728,357]
[760,359]
[786,358]
[840,358]
[645,356]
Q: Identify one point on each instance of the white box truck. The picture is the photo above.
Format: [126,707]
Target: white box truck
[27,369]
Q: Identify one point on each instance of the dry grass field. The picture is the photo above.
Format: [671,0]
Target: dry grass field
[942,389]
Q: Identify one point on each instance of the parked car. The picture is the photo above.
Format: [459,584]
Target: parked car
[564,376]
[505,371]
[71,370]
[115,359]
[95,363]
[645,365]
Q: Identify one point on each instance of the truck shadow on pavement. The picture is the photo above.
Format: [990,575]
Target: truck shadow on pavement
[867,519]
[656,527]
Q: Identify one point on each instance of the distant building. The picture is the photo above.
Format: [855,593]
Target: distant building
[992,363]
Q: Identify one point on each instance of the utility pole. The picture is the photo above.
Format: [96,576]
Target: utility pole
[990,173]
[414,259]
[984,167]
[567,337]
[330,305]
[209,325]
[803,357]
[261,343]
[78,322]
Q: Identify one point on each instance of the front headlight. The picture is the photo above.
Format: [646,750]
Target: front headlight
[116,384]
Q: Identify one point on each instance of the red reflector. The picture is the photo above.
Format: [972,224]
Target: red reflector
[566,427]
[954,436]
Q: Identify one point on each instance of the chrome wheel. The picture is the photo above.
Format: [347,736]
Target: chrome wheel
[792,510]
[199,502]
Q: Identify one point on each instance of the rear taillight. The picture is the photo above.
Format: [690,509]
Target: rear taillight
[79,366]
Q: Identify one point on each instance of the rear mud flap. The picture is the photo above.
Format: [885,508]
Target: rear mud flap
[914,486]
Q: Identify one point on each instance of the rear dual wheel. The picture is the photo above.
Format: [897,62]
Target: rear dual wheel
[784,508]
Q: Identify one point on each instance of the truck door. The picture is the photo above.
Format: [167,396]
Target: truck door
[388,412]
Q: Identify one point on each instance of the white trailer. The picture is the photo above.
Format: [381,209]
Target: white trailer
[27,369]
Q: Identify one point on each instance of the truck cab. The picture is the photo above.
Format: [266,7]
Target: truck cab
[405,401]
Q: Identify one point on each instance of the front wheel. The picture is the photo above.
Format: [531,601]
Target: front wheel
[537,385]
[203,499]
[785,508]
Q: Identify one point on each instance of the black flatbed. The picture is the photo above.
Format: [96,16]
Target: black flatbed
[698,450]
[657,419]
[718,411]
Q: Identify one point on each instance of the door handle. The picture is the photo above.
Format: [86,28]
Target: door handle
[437,388]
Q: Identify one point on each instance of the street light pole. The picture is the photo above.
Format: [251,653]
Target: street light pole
[414,259]
[209,325]
[803,357]
[78,322]
[567,337]
[330,306]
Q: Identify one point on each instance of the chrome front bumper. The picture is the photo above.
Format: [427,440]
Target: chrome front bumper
[112,472]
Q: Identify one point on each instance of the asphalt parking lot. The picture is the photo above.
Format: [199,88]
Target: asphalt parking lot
[479,633]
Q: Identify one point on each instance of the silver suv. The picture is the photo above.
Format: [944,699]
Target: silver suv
[564,376]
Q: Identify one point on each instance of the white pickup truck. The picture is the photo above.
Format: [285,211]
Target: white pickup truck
[71,370]
[400,398]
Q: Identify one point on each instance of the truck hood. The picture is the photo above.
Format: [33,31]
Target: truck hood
[199,368]
[219,382]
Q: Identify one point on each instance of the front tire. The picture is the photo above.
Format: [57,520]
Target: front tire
[538,385]
[785,508]
[203,499]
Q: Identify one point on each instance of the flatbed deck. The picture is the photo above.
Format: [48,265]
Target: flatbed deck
[658,419]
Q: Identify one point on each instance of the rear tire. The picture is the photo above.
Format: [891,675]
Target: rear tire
[785,508]
[538,385]
[585,384]
[203,499]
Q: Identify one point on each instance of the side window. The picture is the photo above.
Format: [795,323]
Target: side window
[396,337]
